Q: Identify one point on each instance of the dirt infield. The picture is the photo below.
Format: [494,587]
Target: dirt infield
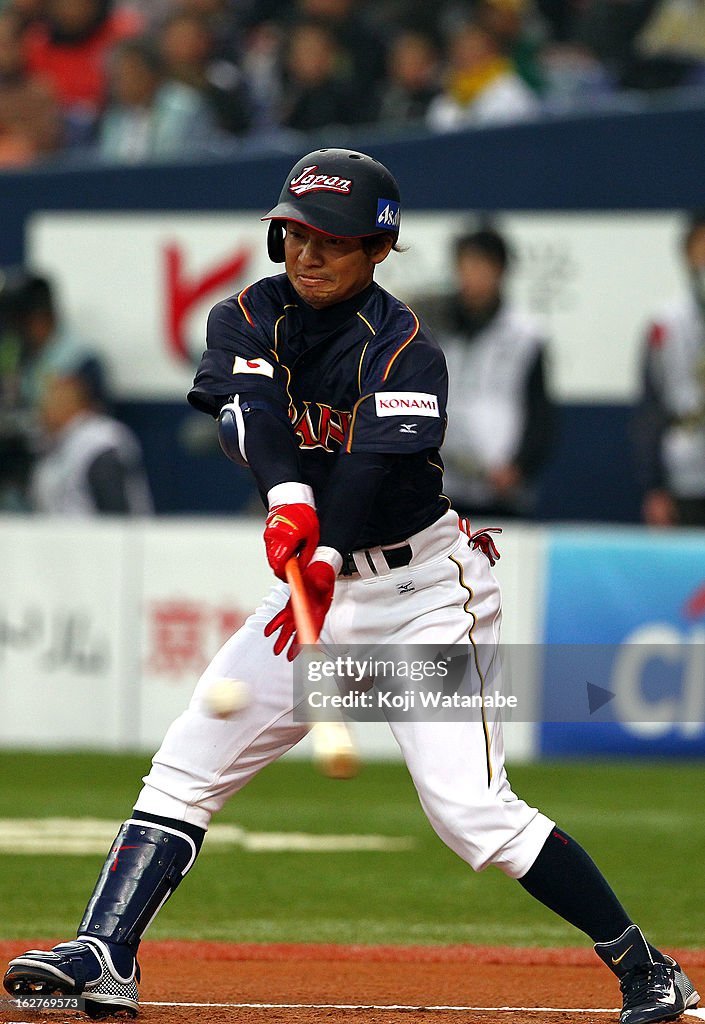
[320,984]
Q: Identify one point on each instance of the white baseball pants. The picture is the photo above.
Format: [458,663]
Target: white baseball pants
[457,767]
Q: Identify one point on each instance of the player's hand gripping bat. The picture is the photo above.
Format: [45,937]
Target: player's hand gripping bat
[333,747]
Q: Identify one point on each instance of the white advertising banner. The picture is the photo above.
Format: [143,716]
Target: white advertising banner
[64,667]
[139,286]
[201,579]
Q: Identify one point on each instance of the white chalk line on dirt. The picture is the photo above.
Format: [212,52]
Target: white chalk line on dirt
[699,1014]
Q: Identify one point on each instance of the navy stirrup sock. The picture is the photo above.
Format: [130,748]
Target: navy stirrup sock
[567,881]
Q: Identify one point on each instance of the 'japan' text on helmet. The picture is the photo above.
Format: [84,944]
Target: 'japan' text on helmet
[339,192]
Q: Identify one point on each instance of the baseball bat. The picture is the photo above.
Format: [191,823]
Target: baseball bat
[333,747]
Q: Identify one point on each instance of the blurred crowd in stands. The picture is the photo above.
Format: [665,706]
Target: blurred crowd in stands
[162,79]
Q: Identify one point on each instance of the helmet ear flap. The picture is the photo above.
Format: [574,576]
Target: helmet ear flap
[275,241]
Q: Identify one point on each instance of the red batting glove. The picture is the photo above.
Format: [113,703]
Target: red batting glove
[319,582]
[290,530]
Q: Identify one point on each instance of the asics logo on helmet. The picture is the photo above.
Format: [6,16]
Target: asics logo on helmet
[388,214]
[307,181]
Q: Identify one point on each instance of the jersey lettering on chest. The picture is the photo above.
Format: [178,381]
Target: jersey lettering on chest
[319,426]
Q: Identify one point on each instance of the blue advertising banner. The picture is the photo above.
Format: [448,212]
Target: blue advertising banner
[624,652]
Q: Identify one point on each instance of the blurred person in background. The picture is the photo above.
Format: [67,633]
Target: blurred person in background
[501,418]
[411,15]
[481,85]
[69,47]
[186,46]
[46,343]
[15,418]
[413,78]
[562,17]
[670,49]
[91,463]
[508,21]
[224,20]
[573,77]
[360,42]
[153,13]
[151,116]
[29,12]
[317,91]
[646,44]
[30,118]
[669,424]
[572,73]
[35,344]
[262,72]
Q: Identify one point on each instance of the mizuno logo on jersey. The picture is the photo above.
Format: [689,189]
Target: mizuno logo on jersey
[407,428]
[244,365]
[307,181]
[401,403]
[388,213]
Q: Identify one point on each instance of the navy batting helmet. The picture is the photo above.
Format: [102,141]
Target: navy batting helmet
[339,192]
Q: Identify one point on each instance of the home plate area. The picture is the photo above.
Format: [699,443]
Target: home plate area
[215,983]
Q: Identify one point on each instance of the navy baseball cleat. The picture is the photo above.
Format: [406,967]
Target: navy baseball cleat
[82,968]
[654,987]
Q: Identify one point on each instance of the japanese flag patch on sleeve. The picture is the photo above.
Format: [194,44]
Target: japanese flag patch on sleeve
[244,365]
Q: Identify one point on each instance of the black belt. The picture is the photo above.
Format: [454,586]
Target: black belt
[394,557]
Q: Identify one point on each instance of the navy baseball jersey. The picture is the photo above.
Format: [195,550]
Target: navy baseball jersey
[362,376]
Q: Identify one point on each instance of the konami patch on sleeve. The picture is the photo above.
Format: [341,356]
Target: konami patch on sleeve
[401,403]
[244,365]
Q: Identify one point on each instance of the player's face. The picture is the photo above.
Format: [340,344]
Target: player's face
[325,270]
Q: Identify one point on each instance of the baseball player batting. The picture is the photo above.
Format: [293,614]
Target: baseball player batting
[334,395]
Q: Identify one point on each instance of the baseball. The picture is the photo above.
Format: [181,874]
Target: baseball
[225,697]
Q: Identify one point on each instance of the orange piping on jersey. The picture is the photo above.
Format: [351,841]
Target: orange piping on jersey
[245,313]
[289,305]
[440,470]
[291,411]
[242,307]
[276,331]
[357,405]
[403,344]
[292,407]
[359,368]
[466,607]
[366,321]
